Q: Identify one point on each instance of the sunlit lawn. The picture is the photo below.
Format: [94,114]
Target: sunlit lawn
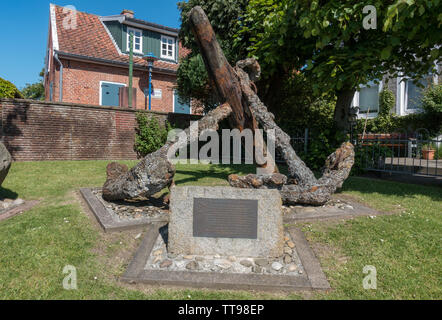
[35,246]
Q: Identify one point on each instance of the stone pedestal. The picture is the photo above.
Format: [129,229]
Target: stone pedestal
[225,221]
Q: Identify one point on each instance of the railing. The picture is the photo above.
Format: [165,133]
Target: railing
[412,154]
[401,153]
[299,142]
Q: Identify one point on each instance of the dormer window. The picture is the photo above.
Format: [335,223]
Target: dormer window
[167,47]
[138,40]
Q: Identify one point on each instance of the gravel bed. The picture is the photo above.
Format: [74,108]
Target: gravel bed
[134,210]
[288,264]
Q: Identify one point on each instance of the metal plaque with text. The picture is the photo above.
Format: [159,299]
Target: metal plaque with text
[225,218]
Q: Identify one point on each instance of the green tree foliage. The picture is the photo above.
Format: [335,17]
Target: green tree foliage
[340,54]
[192,79]
[432,100]
[300,108]
[150,136]
[224,15]
[35,91]
[8,90]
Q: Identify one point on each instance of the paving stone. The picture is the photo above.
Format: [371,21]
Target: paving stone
[287,259]
[257,269]
[292,268]
[223,263]
[261,262]
[166,264]
[192,265]
[246,263]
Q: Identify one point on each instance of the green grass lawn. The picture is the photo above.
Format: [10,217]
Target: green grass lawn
[35,246]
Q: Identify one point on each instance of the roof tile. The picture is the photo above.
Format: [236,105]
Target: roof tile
[90,39]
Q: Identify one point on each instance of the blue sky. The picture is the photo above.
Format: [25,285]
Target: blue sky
[24,26]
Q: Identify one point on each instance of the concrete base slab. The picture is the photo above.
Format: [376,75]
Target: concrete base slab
[110,223]
[312,279]
[18,210]
[348,209]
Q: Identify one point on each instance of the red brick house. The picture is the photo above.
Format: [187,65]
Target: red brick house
[87,59]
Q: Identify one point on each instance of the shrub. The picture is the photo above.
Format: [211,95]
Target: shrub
[386,102]
[320,146]
[432,99]
[8,90]
[150,136]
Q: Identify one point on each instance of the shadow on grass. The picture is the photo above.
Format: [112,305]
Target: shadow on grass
[7,194]
[390,188]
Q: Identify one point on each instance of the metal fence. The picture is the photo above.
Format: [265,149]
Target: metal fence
[300,143]
[404,153]
[416,153]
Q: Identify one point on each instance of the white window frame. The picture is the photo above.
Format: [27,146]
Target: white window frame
[402,95]
[173,48]
[101,89]
[405,96]
[355,102]
[128,40]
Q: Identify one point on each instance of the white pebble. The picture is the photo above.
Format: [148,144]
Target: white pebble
[276,266]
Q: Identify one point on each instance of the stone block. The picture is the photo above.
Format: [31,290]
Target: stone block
[226,218]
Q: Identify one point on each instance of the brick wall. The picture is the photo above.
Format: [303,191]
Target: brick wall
[34,130]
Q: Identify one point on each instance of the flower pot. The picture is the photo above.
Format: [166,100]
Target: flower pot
[428,154]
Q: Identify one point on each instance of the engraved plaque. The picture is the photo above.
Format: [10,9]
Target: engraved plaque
[225,218]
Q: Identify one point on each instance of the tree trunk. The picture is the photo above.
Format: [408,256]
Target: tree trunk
[342,109]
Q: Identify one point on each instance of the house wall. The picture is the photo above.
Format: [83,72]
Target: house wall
[151,40]
[398,87]
[36,130]
[81,84]
[50,67]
